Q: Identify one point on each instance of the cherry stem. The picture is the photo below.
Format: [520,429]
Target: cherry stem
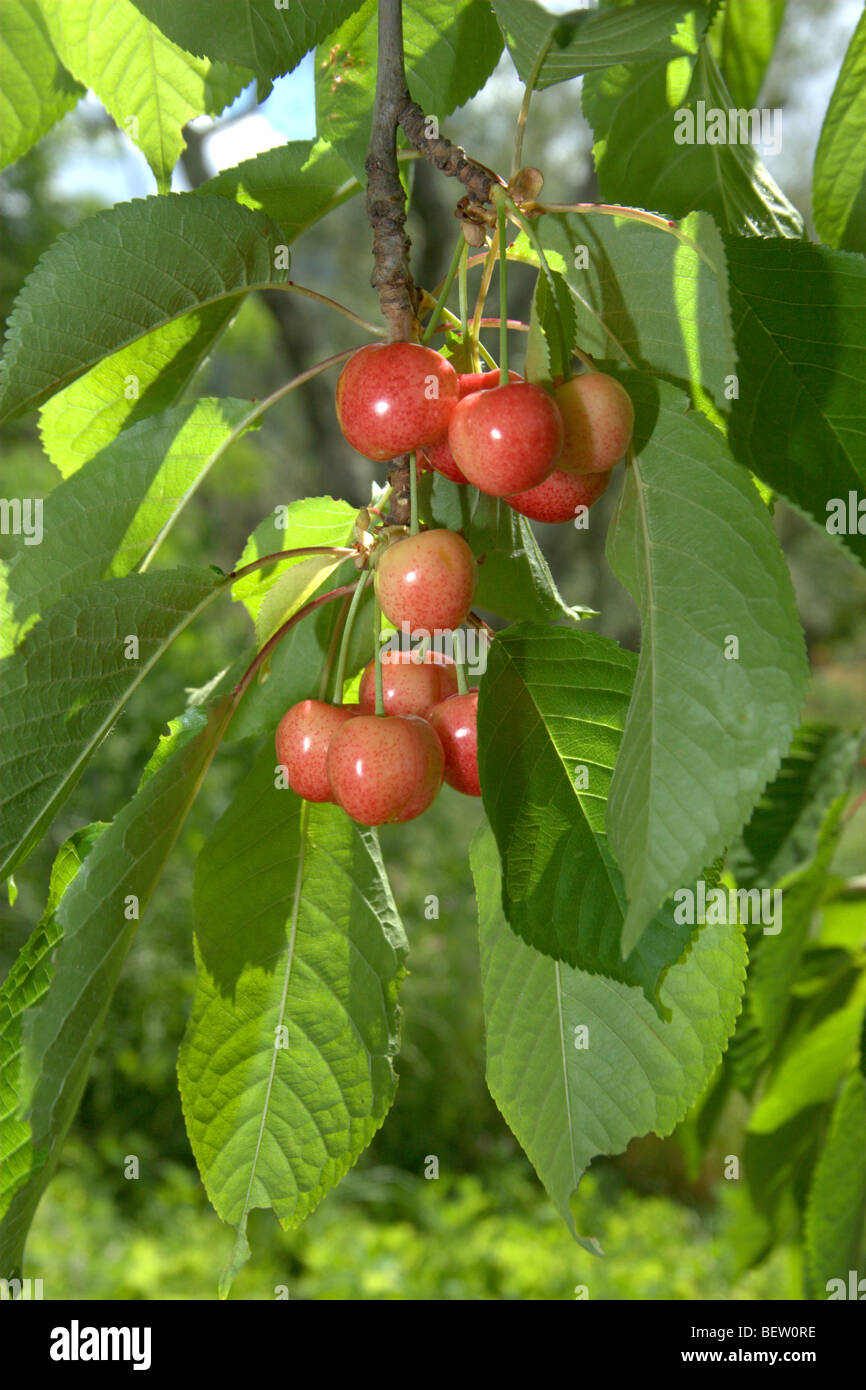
[340,677]
[527,228]
[377,647]
[258,409]
[333,304]
[342,550]
[652,219]
[524,105]
[462,679]
[486,276]
[413,495]
[332,647]
[503,287]
[444,292]
[464,297]
[262,656]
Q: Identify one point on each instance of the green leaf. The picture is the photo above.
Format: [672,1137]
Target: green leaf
[648,298]
[708,723]
[24,988]
[149,376]
[839,180]
[286,1068]
[70,679]
[514,580]
[290,526]
[813,1066]
[833,1229]
[123,273]
[105,519]
[785,826]
[799,423]
[776,955]
[294,185]
[552,330]
[37,90]
[649,154]
[743,36]
[291,591]
[582,42]
[67,997]
[451,48]
[268,38]
[550,712]
[635,1074]
[147,84]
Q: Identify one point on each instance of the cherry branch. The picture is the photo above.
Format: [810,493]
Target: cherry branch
[450,159]
[261,657]
[342,550]
[386,202]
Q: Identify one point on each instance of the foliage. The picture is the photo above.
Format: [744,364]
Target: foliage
[615,786]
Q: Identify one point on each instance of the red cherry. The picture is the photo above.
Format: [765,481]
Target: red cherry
[598,417]
[456,722]
[506,440]
[557,497]
[385,769]
[410,685]
[471,382]
[440,457]
[302,739]
[395,397]
[426,581]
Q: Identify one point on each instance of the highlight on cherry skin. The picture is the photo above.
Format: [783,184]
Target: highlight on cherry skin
[506,439]
[384,768]
[427,580]
[456,722]
[393,398]
[559,496]
[598,418]
[302,739]
[411,683]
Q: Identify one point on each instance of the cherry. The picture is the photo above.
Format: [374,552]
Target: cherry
[395,397]
[302,739]
[507,439]
[426,581]
[385,768]
[440,457]
[598,417]
[557,497]
[455,721]
[411,684]
[481,381]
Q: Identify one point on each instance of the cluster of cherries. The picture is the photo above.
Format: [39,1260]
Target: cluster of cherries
[546,455]
[390,767]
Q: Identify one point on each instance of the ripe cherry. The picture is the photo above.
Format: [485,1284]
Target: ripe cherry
[302,739]
[426,581]
[456,722]
[507,439]
[411,684]
[598,417]
[395,397]
[470,382]
[385,768]
[559,495]
[440,457]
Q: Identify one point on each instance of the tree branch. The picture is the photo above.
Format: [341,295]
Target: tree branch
[477,179]
[386,203]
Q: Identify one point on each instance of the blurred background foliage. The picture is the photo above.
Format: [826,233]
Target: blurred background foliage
[484,1228]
